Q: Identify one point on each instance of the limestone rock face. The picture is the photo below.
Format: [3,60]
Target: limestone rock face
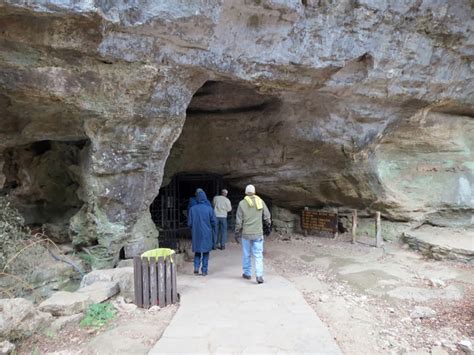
[284,221]
[19,319]
[358,104]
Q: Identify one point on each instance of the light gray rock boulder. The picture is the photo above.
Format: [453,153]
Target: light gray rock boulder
[422,312]
[122,276]
[153,309]
[20,319]
[437,283]
[466,346]
[441,244]
[6,347]
[63,303]
[122,306]
[323,298]
[61,322]
[125,263]
[100,291]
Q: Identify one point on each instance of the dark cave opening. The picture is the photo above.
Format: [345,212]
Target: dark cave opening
[42,180]
[204,154]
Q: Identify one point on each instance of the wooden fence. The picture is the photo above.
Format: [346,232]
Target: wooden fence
[154,281]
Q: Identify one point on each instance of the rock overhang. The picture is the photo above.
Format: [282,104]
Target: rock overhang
[327,88]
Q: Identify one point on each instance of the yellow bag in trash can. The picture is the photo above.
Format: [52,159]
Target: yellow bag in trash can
[160,252]
[155,280]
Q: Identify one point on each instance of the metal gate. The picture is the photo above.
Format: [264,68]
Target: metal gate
[169,209]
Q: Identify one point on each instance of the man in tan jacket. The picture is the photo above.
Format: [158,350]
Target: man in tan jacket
[249,225]
[222,206]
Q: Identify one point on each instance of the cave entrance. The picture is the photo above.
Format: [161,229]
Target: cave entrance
[225,141]
[169,210]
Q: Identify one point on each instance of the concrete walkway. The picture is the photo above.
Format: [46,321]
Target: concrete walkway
[223,313]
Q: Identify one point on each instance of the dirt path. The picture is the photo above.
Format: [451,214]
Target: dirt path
[366,296]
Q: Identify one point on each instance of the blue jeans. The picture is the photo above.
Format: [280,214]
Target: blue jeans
[221,231]
[197,261]
[255,248]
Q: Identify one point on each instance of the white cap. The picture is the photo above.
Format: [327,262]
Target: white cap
[250,189]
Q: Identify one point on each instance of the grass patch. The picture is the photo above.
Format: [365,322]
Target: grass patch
[98,314]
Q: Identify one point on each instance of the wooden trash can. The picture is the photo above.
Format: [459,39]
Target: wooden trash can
[154,278]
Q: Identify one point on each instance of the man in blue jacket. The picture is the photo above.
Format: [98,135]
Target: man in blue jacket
[202,222]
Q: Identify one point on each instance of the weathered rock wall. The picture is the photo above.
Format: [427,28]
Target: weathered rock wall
[352,85]
[44,180]
[426,166]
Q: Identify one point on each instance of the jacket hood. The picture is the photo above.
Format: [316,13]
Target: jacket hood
[201,197]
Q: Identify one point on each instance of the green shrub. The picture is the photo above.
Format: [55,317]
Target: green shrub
[98,314]
[14,237]
[20,252]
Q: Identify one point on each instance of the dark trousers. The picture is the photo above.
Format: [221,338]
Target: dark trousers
[221,231]
[201,257]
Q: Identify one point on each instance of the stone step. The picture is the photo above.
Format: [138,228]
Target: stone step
[442,243]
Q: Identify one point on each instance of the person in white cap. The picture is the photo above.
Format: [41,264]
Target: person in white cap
[222,207]
[249,225]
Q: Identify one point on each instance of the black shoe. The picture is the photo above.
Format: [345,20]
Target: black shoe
[223,247]
[204,274]
[259,279]
[247,277]
[196,272]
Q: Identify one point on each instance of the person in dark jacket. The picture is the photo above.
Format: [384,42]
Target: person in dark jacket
[202,222]
[193,200]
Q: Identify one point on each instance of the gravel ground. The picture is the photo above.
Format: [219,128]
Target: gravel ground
[367,296]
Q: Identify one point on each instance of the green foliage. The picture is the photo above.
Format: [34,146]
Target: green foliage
[98,314]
